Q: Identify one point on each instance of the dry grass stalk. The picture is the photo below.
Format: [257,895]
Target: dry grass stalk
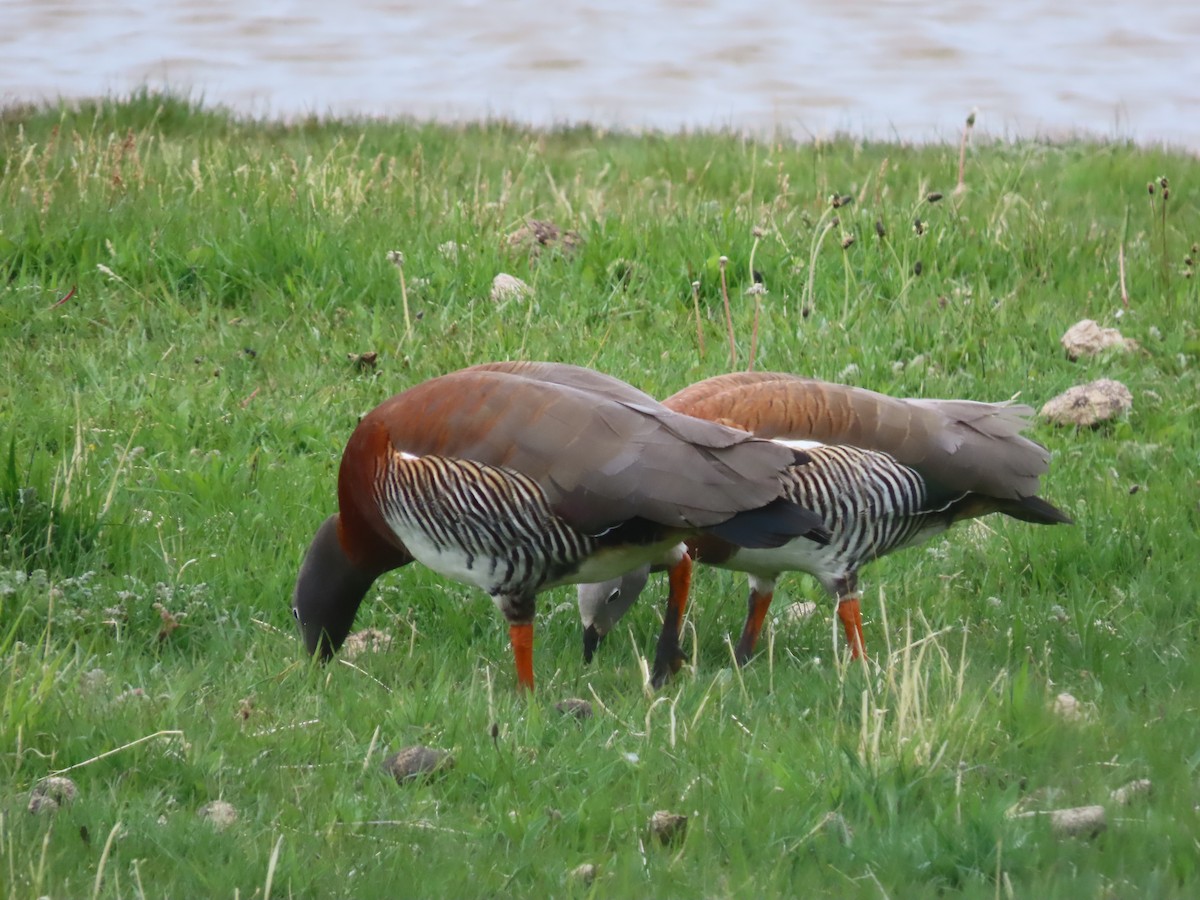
[396,258]
[696,309]
[112,836]
[108,753]
[271,864]
[961,187]
[724,261]
[1121,275]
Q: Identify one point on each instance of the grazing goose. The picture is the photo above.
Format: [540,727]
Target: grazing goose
[884,473]
[515,477]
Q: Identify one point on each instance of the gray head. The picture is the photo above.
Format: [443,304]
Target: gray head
[328,592]
[601,605]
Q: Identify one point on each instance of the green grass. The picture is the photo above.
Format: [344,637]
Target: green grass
[171,432]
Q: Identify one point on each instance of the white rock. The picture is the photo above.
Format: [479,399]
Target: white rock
[1079,821]
[797,612]
[1087,338]
[1066,707]
[368,640]
[1089,404]
[509,287]
[1135,790]
[585,874]
[218,813]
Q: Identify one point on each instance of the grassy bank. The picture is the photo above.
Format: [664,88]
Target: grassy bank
[170,433]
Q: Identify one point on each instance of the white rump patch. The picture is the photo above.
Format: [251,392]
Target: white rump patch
[798,444]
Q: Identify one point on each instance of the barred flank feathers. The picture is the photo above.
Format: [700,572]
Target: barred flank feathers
[872,503]
[495,515]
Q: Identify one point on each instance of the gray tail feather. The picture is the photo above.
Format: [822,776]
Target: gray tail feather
[1036,510]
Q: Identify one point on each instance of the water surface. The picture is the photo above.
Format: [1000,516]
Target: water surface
[881,68]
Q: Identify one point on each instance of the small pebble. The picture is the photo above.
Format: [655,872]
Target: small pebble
[1135,790]
[584,874]
[93,680]
[1066,707]
[835,825]
[51,793]
[573,706]
[798,611]
[668,827]
[364,361]
[368,640]
[218,813]
[417,763]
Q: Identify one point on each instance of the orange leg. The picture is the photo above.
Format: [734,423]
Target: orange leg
[759,604]
[680,585]
[668,658]
[521,637]
[850,613]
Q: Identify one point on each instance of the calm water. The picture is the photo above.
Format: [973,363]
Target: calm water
[884,68]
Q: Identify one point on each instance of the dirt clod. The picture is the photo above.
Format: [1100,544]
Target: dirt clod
[364,361]
[51,793]
[417,763]
[668,827]
[538,233]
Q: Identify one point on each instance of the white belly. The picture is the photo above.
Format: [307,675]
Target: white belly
[798,555]
[450,561]
[609,564]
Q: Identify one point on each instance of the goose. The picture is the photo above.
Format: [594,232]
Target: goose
[884,473]
[515,477]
